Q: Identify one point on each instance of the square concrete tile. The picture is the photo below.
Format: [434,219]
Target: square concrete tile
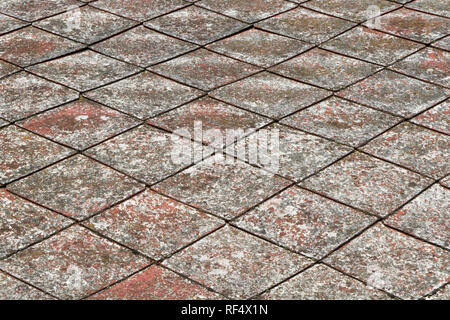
[296,154]
[144,95]
[85,24]
[342,121]
[357,11]
[156,283]
[394,262]
[306,25]
[204,69]
[224,189]
[413,25]
[31,10]
[270,95]
[85,70]
[24,152]
[146,153]
[153,224]
[196,25]
[143,47]
[77,187]
[246,266]
[414,147]
[325,69]
[248,11]
[259,47]
[140,10]
[431,6]
[395,93]
[23,223]
[8,24]
[372,46]
[6,69]
[199,120]
[13,289]
[427,216]
[436,118]
[73,264]
[79,124]
[323,283]
[367,183]
[31,45]
[304,222]
[443,43]
[24,94]
[429,64]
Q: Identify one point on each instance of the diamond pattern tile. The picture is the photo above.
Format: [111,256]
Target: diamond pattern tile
[431,6]
[24,94]
[361,181]
[13,289]
[91,25]
[259,47]
[204,69]
[31,10]
[24,152]
[224,189]
[443,43]
[196,25]
[6,69]
[73,264]
[306,25]
[436,118]
[247,265]
[77,187]
[8,24]
[153,224]
[342,121]
[325,69]
[270,95]
[144,95]
[79,124]
[31,45]
[389,260]
[143,47]
[84,71]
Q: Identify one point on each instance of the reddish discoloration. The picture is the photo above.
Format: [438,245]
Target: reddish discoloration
[13,289]
[437,118]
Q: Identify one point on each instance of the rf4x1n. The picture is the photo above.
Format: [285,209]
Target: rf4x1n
[246,309]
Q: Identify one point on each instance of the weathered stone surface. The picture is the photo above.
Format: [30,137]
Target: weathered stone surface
[8,24]
[13,289]
[436,118]
[6,69]
[443,43]
[442,294]
[431,6]
[31,10]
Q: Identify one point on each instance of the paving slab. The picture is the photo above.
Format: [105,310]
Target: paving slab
[32,10]
[8,24]
[430,6]
[436,118]
[13,289]
[7,68]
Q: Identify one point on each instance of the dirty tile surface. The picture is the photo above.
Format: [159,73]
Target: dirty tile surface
[201,149]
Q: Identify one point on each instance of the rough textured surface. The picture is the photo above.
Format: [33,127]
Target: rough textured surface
[79,124]
[209,114]
[144,95]
[432,6]
[304,222]
[31,45]
[204,69]
[429,64]
[443,44]
[156,283]
[342,120]
[13,289]
[146,154]
[6,69]
[226,190]
[84,71]
[196,25]
[306,25]
[77,187]
[395,93]
[270,95]
[442,294]
[143,47]
[371,45]
[24,94]
[391,261]
[91,25]
[325,69]
[426,217]
[24,152]
[8,24]
[31,10]
[153,224]
[23,223]
[367,183]
[259,47]
[437,118]
[323,283]
[247,265]
[73,264]
[414,147]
